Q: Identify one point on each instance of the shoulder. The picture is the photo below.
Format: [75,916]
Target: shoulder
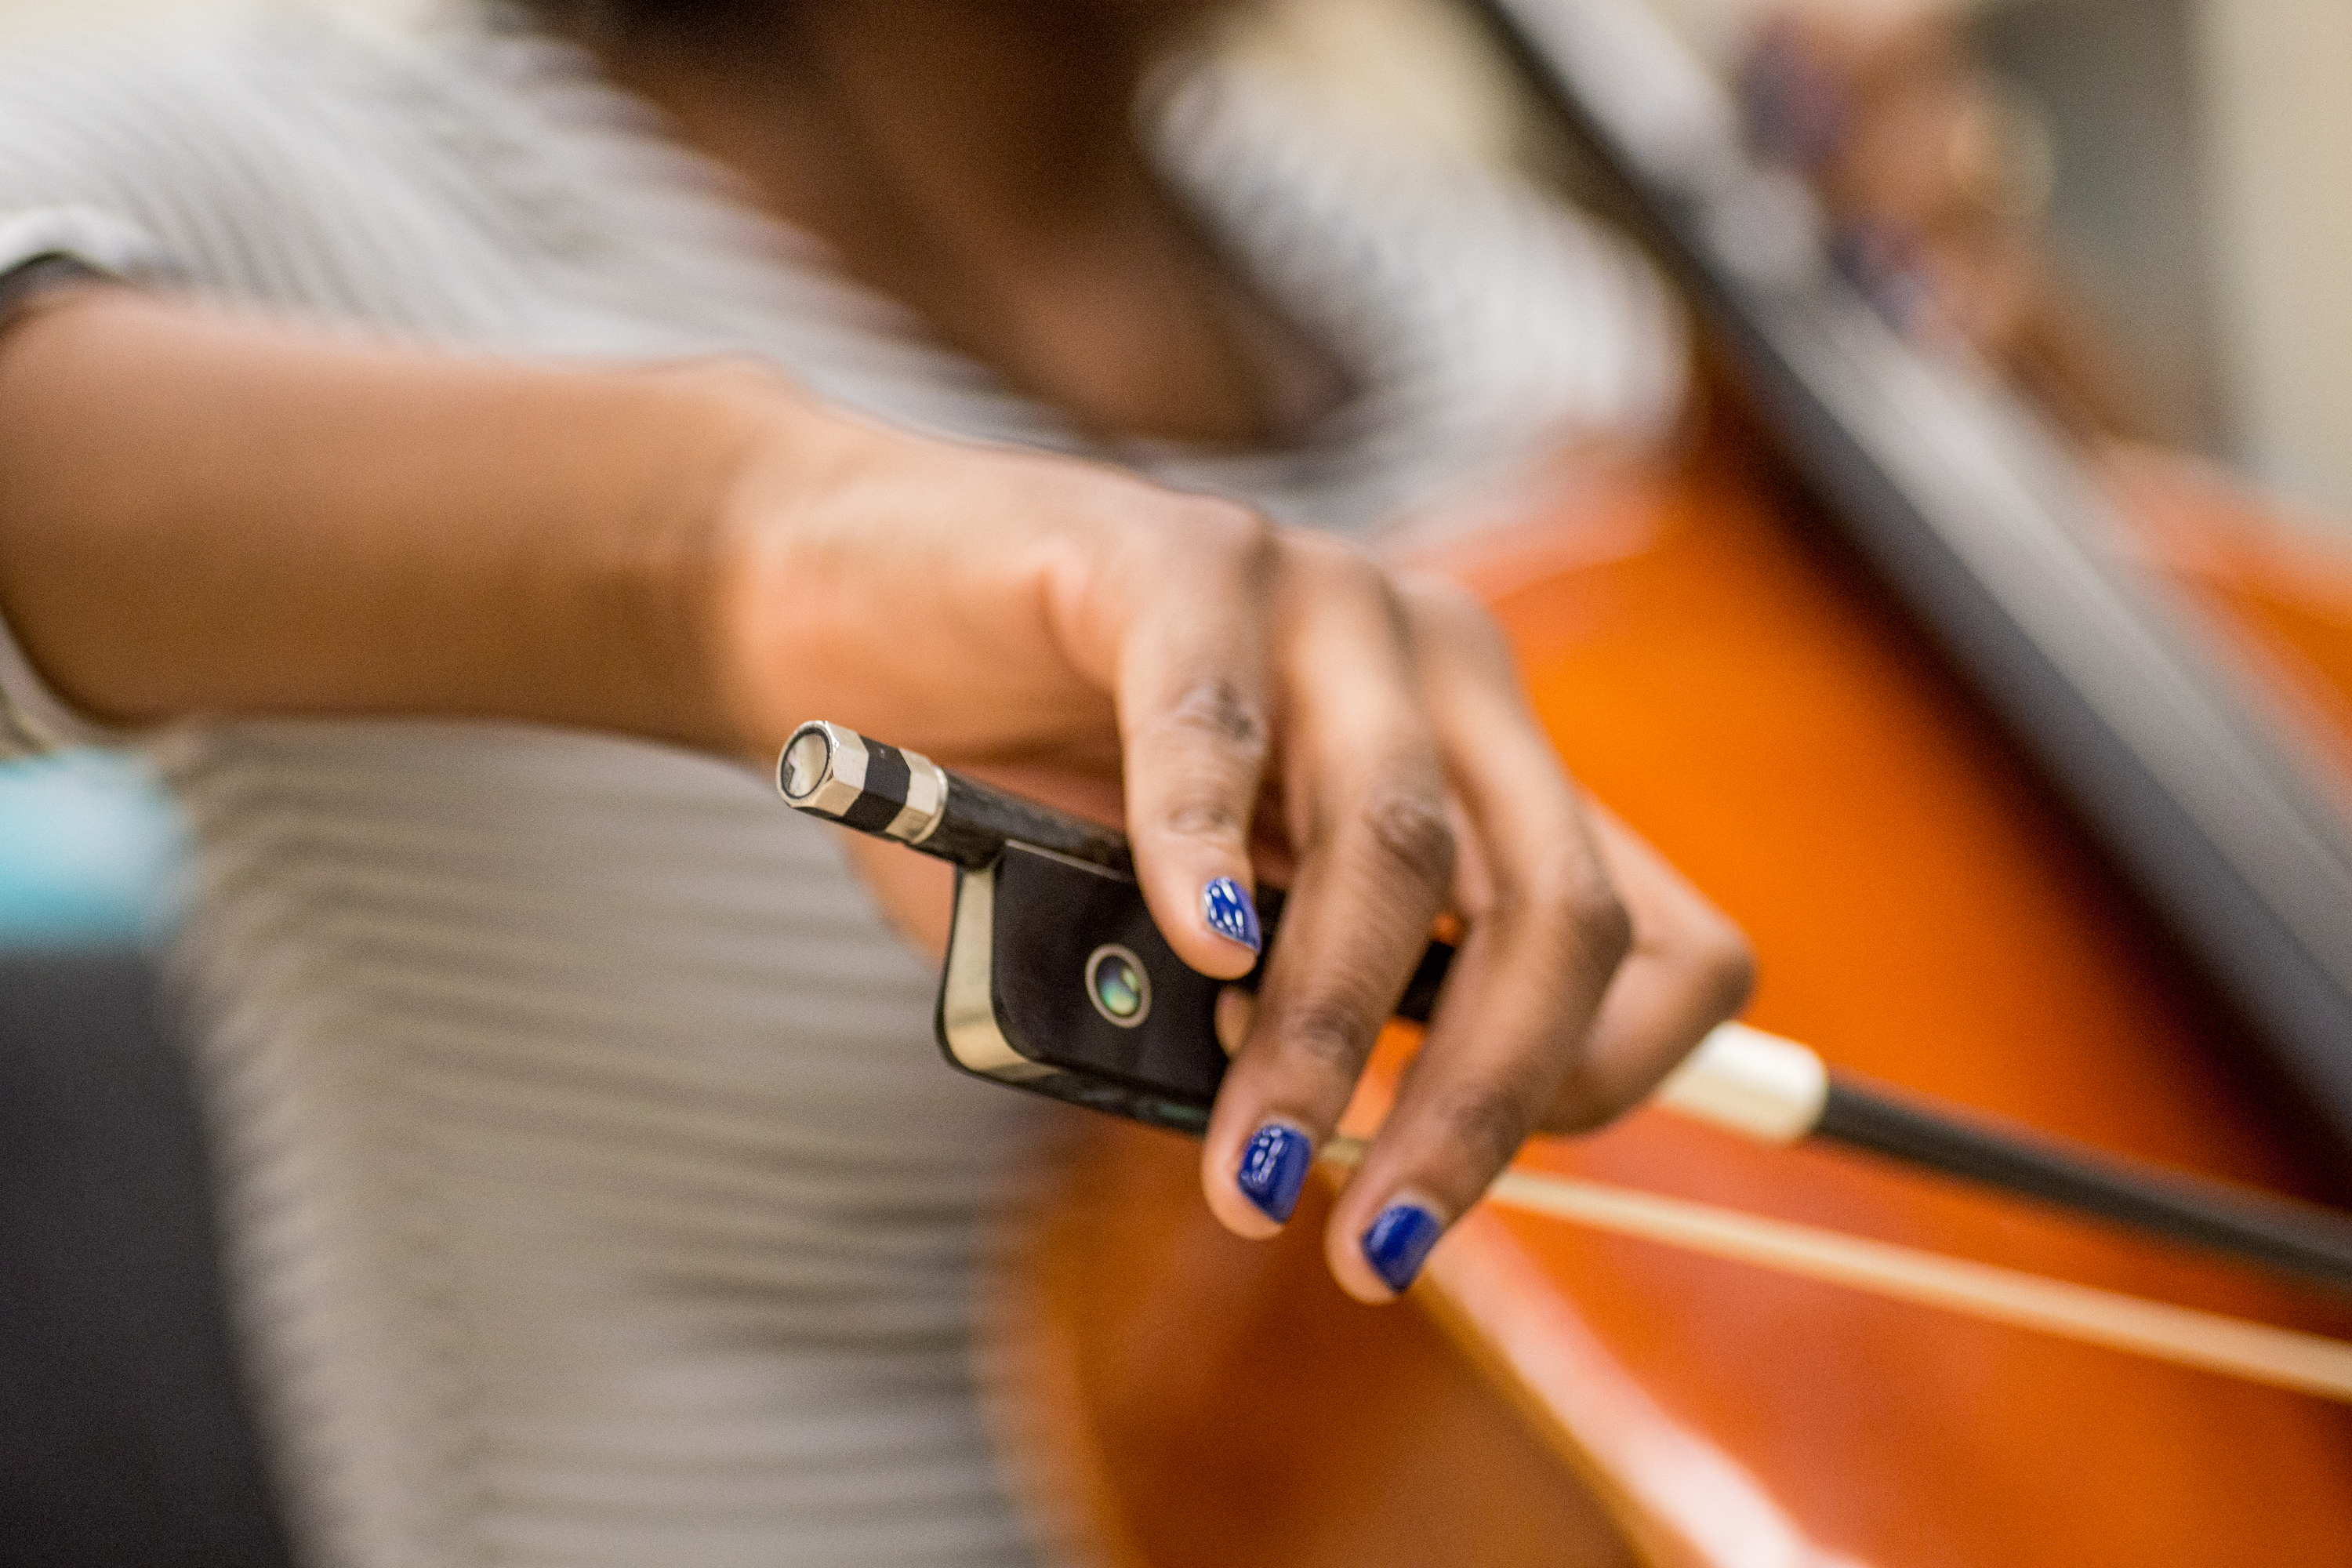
[266,157]
[138,101]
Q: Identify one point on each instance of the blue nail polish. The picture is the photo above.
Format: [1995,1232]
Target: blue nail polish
[1231,913]
[1273,1170]
[1398,1242]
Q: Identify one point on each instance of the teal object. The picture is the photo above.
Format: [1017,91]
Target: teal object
[90,850]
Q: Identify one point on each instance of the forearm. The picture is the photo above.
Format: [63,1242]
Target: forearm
[202,513]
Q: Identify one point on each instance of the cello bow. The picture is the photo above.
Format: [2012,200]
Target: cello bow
[1572,1398]
[1927,913]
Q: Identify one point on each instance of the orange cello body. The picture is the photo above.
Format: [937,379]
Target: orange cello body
[1925,914]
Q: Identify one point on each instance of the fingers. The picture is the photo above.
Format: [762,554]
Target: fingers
[1546,933]
[1194,717]
[1689,969]
[1589,968]
[1414,778]
[1364,787]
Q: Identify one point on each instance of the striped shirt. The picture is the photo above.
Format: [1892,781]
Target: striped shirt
[595,1193]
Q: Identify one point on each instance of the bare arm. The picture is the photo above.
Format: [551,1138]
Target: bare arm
[200,514]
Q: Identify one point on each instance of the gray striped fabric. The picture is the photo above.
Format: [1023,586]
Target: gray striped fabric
[597,1193]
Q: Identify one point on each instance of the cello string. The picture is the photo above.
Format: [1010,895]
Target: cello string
[2185,1336]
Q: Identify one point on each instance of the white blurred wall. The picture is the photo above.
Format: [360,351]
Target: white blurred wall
[2275,83]
[2277,77]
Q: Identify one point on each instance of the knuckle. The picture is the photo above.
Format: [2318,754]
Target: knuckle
[1725,965]
[1570,892]
[1396,612]
[1407,824]
[1341,570]
[1324,552]
[1204,816]
[1602,924]
[1582,1098]
[1330,1037]
[1487,1124]
[1243,543]
[1580,1105]
[1216,735]
[1217,708]
[1443,605]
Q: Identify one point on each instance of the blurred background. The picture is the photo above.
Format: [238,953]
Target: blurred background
[2195,192]
[2196,149]
[2194,152]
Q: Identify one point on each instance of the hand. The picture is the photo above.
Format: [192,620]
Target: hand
[1247,696]
[305,524]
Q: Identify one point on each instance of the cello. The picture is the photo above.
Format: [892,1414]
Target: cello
[1811,658]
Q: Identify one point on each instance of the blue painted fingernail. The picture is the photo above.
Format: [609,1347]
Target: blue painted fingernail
[1273,1170]
[1398,1242]
[1230,912]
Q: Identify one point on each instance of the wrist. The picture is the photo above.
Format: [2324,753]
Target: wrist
[769,557]
[303,524]
[710,445]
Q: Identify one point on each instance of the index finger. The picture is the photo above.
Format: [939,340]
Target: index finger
[1364,787]
[1193,728]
